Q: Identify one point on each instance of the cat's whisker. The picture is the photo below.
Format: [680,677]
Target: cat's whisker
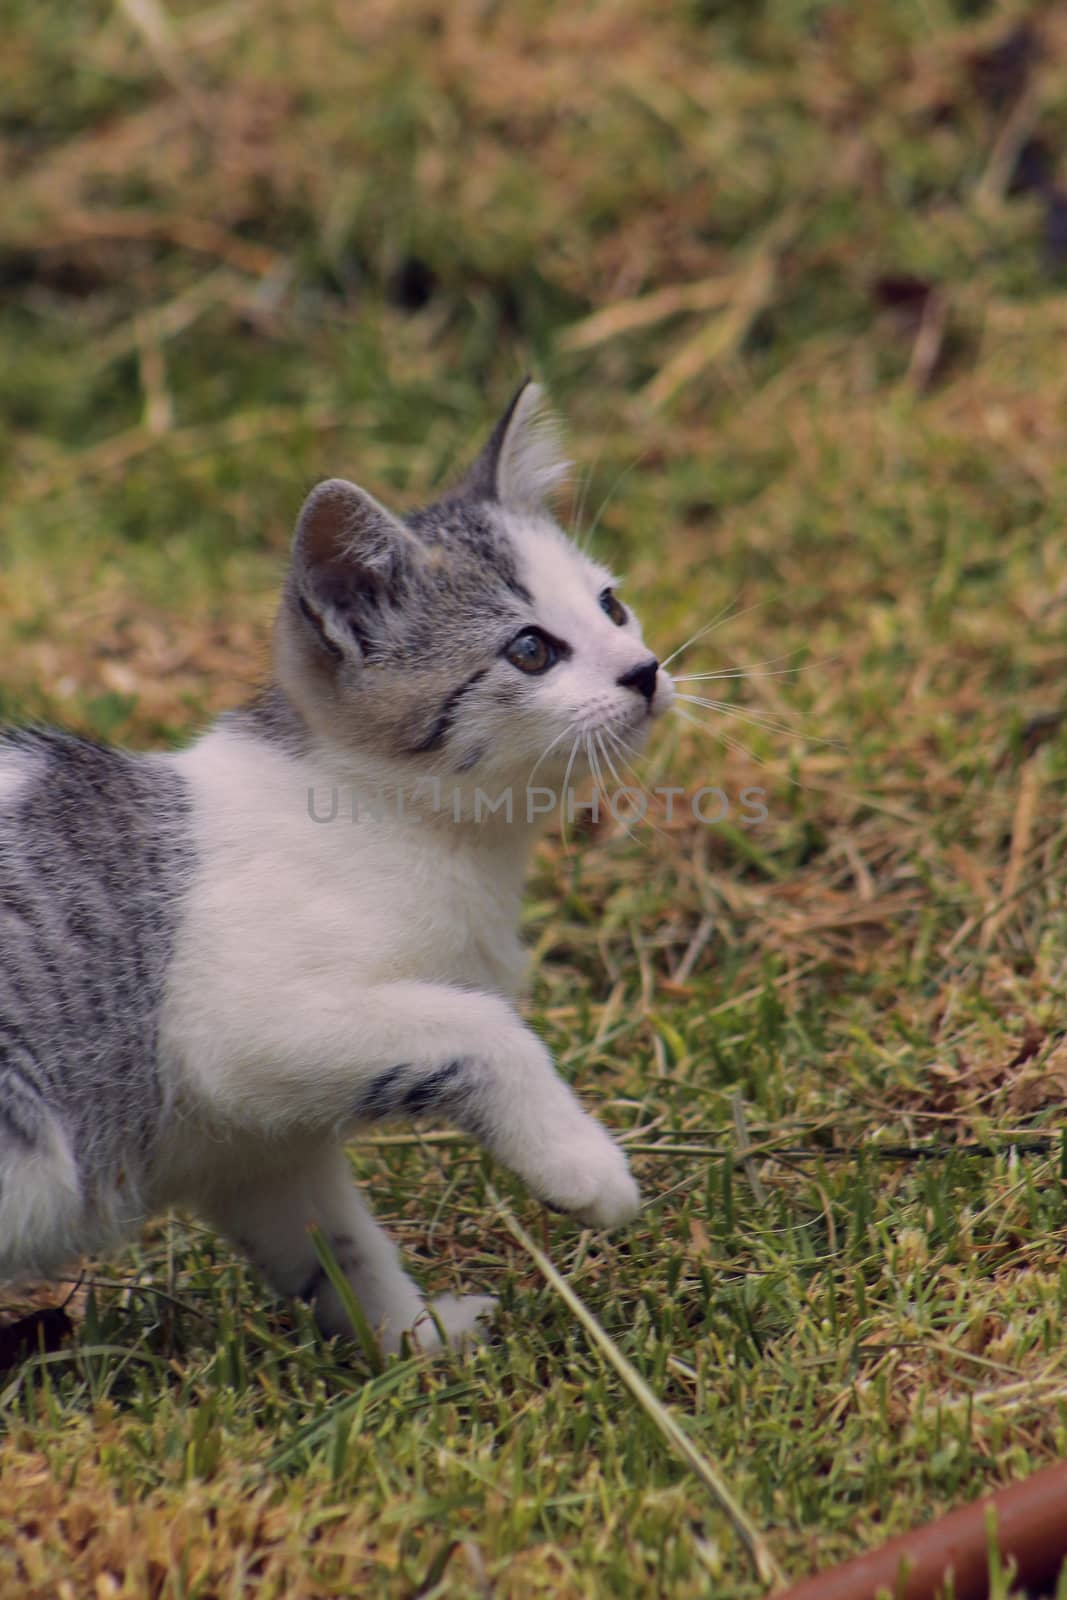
[589,763]
[566,781]
[638,781]
[548,750]
[725,708]
[601,788]
[586,540]
[727,614]
[591,760]
[598,772]
[578,512]
[595,752]
[624,744]
[717,733]
[590,756]
[754,669]
[739,672]
[742,673]
[606,753]
[623,748]
[755,719]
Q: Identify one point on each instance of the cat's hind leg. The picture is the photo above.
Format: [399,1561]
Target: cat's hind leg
[42,1208]
[268,1217]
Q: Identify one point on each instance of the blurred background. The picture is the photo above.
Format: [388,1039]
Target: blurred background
[795,273]
[773,259]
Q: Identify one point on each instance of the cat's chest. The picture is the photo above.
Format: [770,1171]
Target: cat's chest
[433,915]
[285,890]
[381,907]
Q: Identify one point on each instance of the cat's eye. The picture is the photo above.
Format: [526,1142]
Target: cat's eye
[612,607]
[532,651]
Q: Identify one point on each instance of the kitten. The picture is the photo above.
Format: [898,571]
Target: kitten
[217,965]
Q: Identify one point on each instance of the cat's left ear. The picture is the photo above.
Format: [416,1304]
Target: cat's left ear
[351,561]
[523,463]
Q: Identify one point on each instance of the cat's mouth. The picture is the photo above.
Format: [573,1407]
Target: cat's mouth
[638,719]
[632,729]
[663,698]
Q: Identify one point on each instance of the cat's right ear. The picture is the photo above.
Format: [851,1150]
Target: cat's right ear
[350,556]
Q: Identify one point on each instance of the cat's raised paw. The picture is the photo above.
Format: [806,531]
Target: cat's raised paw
[593,1183]
[615,1203]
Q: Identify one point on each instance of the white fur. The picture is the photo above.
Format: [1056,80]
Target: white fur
[17,769]
[580,698]
[312,957]
[566,587]
[532,464]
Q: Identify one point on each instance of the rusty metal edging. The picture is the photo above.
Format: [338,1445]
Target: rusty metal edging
[1031,1527]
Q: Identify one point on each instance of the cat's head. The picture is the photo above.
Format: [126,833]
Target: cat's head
[469,638]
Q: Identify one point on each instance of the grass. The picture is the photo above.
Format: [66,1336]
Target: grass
[792,271]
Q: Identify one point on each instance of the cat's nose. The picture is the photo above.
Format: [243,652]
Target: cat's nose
[642,678]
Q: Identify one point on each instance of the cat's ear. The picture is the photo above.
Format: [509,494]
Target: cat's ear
[523,463]
[350,559]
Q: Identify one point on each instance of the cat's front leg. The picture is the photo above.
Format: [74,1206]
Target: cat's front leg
[496,1081]
[268,1214]
[307,1055]
[470,1060]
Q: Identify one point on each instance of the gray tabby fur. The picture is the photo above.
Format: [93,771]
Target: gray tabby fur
[95,858]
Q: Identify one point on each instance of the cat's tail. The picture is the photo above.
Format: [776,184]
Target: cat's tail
[41,1202]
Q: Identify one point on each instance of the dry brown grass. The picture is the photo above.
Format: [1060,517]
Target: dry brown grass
[794,274]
